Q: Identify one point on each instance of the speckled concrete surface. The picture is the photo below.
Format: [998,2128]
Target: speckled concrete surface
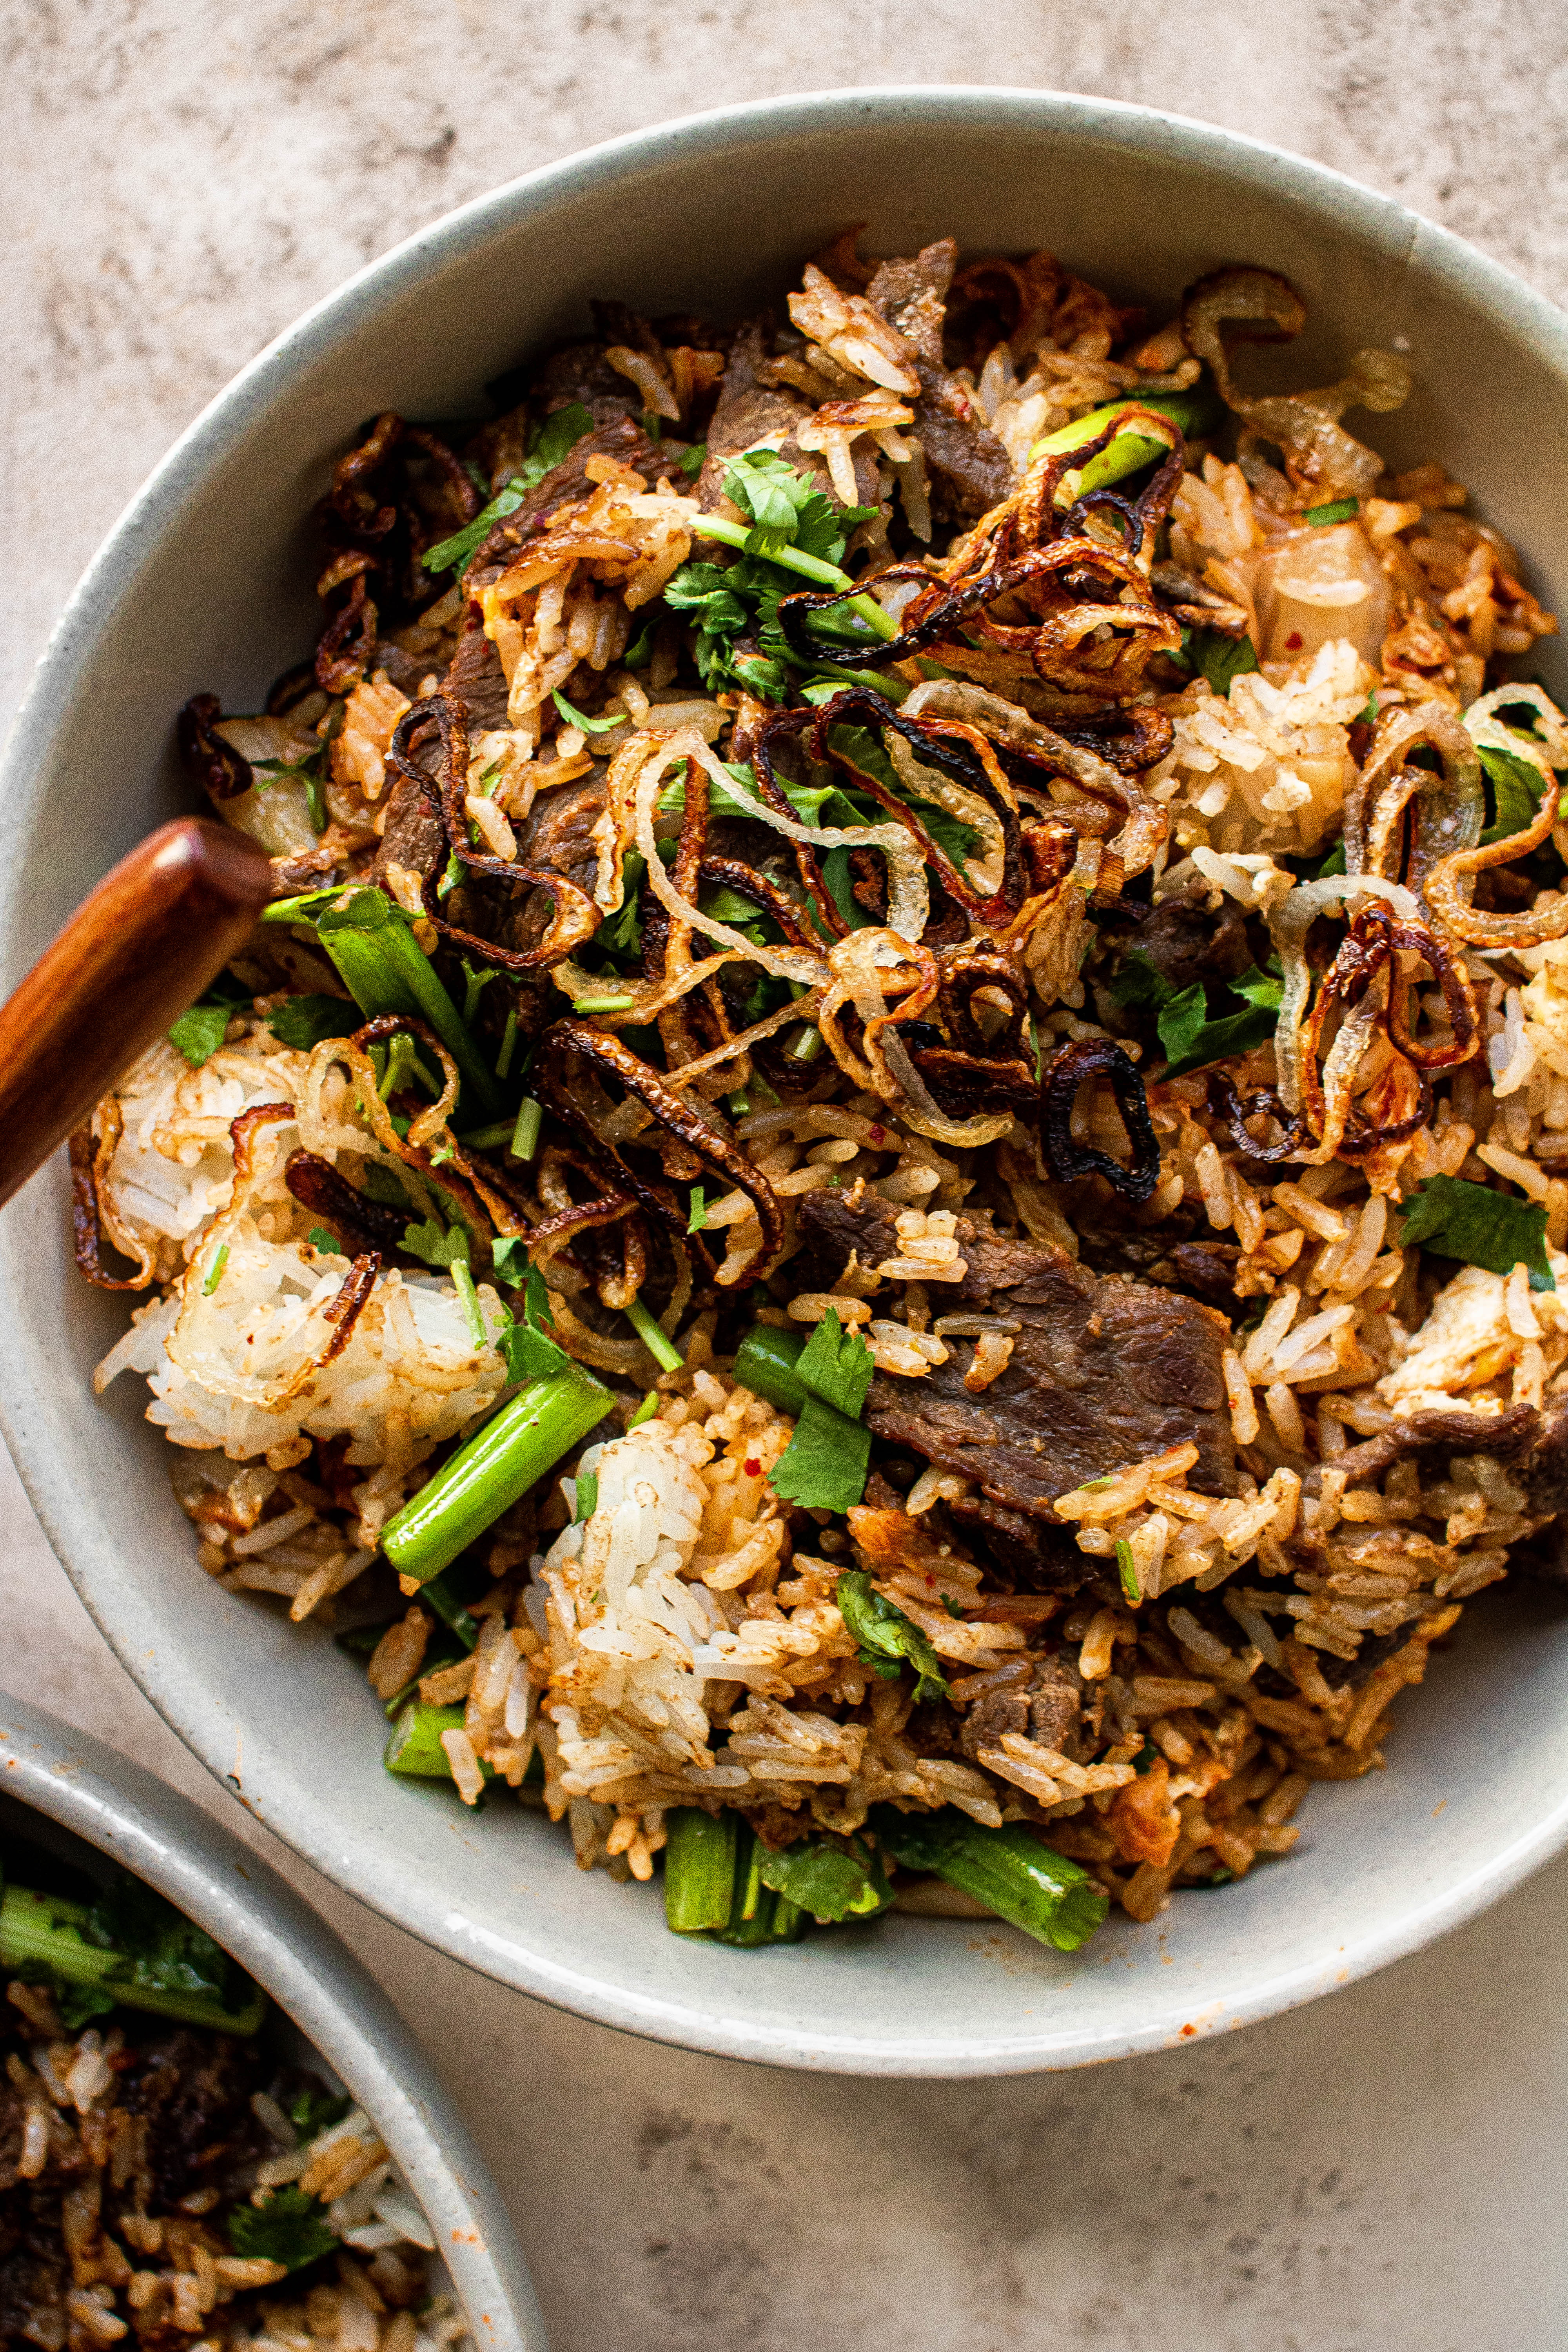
[182,177]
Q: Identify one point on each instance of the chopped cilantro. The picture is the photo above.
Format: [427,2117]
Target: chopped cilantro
[314,2109]
[588,1486]
[694,459]
[531,1353]
[698,1216]
[555,438]
[1517,789]
[289,2228]
[157,1949]
[576,717]
[304,1021]
[436,1245]
[1337,510]
[1209,653]
[1334,862]
[836,1365]
[1127,1570]
[832,1877]
[1494,1230]
[887,1639]
[215,1271]
[1191,1037]
[825,1464]
[199,1033]
[320,1239]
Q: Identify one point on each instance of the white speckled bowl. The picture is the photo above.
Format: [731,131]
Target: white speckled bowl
[205,583]
[338,2012]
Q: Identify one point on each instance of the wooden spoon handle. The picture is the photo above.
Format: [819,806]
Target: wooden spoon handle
[138,951]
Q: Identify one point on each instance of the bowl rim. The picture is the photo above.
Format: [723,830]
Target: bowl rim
[1340,203]
[304,1966]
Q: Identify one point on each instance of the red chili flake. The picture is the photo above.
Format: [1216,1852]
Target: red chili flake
[1187,2031]
[1293,642]
[754,1469]
[877,1133]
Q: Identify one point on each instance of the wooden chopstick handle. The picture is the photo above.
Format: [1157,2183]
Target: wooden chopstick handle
[138,951]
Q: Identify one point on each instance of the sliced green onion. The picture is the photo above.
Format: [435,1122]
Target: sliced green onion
[485,1139]
[381,963]
[415,1749]
[1126,1569]
[698,1216]
[765,1364]
[525,1135]
[806,1046]
[1129,451]
[1043,1892]
[486,1476]
[46,1931]
[214,1271]
[1337,510]
[588,1486]
[508,1045]
[646,1411]
[659,1345]
[604,1004]
[440,1594]
[699,1869]
[463,1282]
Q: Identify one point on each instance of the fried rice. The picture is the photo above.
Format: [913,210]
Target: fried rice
[946,825]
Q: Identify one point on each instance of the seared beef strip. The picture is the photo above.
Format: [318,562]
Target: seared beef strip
[750,410]
[1185,943]
[970,469]
[1102,1373]
[835,1225]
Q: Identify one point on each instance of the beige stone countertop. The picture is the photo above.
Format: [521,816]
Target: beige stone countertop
[1377,2173]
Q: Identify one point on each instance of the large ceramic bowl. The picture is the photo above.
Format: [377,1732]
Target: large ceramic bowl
[204,583]
[331,2009]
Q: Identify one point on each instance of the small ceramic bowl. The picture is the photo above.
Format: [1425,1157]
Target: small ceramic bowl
[332,2011]
[205,583]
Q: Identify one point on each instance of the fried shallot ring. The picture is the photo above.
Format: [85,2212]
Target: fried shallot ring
[567,1040]
[576,917]
[1069,1161]
[92,1214]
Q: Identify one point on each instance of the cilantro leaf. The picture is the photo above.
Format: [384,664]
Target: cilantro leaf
[1139,983]
[304,1021]
[436,1245]
[694,460]
[788,508]
[836,1366]
[833,1878]
[825,1464]
[555,438]
[1264,989]
[1517,789]
[289,2228]
[199,1033]
[530,1354]
[509,1256]
[158,1948]
[1191,1040]
[314,2109]
[838,876]
[698,1216]
[576,717]
[887,1639]
[1208,653]
[588,1486]
[1494,1230]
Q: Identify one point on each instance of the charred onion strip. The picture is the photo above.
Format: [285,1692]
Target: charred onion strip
[569,1040]
[348,640]
[1236,1109]
[361,1224]
[1453,804]
[1069,1161]
[207,759]
[576,917]
[344,1311]
[88,1168]
[425,1127]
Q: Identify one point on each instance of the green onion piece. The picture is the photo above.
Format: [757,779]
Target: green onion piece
[588,1486]
[486,1476]
[646,1411]
[604,1004]
[765,1364]
[699,1869]
[806,1046]
[1337,510]
[1047,1896]
[739,1103]
[485,1139]
[698,1216]
[1126,1569]
[463,1282]
[415,1749]
[659,1347]
[440,1594]
[1129,452]
[45,1931]
[384,970]
[525,1134]
[508,1045]
[214,1271]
